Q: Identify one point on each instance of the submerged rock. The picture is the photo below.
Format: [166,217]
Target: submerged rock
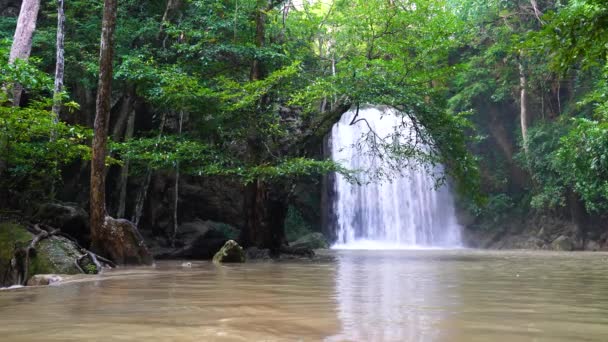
[230,252]
[311,241]
[44,280]
[563,243]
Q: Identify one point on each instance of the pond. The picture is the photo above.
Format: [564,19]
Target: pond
[407,295]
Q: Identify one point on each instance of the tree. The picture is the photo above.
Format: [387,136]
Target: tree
[60,62]
[22,41]
[117,239]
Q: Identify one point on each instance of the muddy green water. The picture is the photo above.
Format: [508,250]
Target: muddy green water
[427,295]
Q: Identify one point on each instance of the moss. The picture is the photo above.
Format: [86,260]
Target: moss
[55,255]
[11,234]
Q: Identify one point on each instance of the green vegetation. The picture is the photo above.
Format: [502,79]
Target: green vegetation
[510,95]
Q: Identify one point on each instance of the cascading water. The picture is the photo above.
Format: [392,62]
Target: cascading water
[404,212]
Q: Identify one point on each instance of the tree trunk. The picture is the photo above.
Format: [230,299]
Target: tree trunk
[143,192]
[176,192]
[257,72]
[60,62]
[265,204]
[22,41]
[124,172]
[266,209]
[523,103]
[169,15]
[119,240]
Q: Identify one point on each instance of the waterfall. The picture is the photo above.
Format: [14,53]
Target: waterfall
[402,212]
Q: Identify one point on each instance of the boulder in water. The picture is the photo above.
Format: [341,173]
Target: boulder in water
[50,255]
[563,243]
[231,252]
[311,241]
[122,243]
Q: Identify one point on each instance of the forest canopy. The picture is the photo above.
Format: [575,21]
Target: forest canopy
[511,96]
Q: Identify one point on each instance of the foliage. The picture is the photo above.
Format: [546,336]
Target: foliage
[583,159]
[33,147]
[550,187]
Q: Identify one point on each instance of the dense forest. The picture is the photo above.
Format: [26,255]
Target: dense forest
[211,116]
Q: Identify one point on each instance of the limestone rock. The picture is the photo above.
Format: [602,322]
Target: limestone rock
[563,243]
[231,252]
[311,241]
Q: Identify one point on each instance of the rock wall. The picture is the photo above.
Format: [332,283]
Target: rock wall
[539,232]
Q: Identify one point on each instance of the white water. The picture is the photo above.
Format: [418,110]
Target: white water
[405,212]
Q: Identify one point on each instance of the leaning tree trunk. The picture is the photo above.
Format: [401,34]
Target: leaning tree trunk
[22,41]
[119,240]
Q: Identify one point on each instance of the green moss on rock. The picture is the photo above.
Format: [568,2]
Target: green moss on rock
[53,255]
[11,234]
[231,252]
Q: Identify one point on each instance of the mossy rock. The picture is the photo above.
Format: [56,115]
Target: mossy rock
[231,252]
[53,255]
[11,234]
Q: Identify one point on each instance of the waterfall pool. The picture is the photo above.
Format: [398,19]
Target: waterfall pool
[398,295]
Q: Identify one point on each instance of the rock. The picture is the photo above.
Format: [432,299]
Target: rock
[562,243]
[69,218]
[122,243]
[44,280]
[592,246]
[311,241]
[254,253]
[230,252]
[52,255]
[200,240]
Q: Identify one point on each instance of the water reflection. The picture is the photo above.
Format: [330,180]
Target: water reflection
[392,296]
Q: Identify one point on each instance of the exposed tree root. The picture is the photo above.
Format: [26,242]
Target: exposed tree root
[22,255]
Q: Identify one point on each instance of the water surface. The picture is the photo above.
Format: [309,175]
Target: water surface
[427,295]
